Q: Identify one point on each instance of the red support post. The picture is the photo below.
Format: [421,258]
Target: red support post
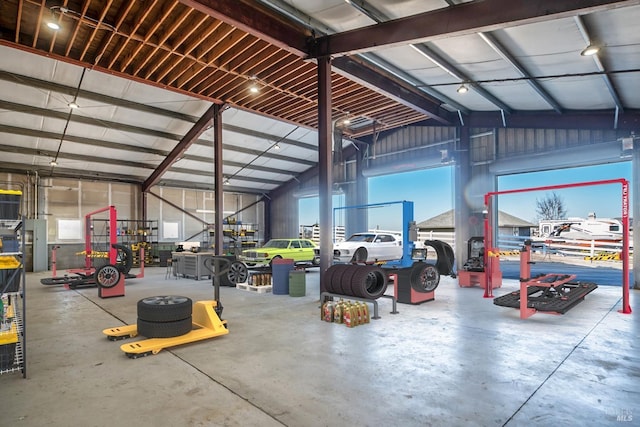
[626,307]
[488,249]
[54,268]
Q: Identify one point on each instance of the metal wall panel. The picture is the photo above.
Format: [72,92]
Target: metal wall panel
[284,216]
[517,142]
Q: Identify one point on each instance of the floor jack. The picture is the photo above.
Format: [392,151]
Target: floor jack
[550,293]
[206,320]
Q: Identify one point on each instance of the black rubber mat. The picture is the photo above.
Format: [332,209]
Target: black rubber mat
[559,299]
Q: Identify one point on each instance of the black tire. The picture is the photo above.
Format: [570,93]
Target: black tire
[369,282]
[107,276]
[424,277]
[164,308]
[125,258]
[238,273]
[360,255]
[330,277]
[315,261]
[164,329]
[346,279]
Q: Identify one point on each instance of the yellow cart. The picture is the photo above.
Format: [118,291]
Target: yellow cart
[206,321]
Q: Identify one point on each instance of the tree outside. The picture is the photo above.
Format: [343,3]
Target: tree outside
[551,207]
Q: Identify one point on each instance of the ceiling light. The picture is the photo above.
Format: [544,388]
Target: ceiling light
[53,163]
[57,12]
[226,182]
[254,88]
[463,89]
[276,146]
[346,121]
[73,105]
[590,50]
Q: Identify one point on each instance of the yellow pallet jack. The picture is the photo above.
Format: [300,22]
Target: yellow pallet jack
[206,321]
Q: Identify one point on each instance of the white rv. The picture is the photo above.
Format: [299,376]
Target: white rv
[591,228]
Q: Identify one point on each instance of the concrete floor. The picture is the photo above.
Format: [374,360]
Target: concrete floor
[455,361]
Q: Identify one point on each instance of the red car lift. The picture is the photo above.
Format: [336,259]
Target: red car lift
[551,293]
[624,256]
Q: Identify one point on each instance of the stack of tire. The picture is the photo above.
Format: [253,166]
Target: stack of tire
[164,316]
[363,281]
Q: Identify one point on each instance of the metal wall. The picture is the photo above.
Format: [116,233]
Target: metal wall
[284,216]
[409,148]
[65,202]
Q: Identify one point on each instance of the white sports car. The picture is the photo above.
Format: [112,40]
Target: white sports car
[368,247]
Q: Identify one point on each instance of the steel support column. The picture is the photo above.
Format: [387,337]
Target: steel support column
[462,211]
[218,195]
[144,207]
[362,191]
[325,165]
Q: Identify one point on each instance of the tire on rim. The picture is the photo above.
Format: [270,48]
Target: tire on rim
[360,255]
[107,276]
[164,329]
[445,256]
[125,258]
[238,273]
[164,308]
[369,282]
[424,277]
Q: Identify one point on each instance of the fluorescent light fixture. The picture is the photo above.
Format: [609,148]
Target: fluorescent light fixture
[590,50]
[463,89]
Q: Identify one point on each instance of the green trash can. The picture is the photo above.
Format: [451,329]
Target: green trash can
[297,283]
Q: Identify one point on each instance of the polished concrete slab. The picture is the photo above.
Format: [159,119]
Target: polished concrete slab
[458,360]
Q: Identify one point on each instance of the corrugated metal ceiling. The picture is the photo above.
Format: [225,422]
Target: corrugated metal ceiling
[144,72]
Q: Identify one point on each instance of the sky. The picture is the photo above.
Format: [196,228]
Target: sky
[433,196]
[431,191]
